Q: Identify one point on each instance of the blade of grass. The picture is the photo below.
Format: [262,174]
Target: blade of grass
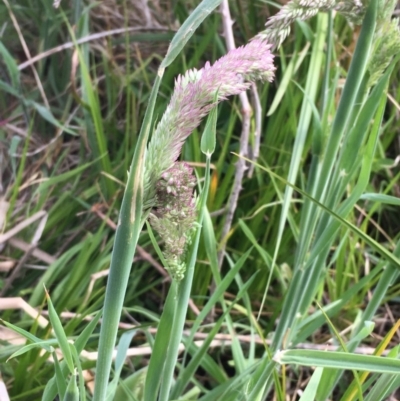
[187,29]
[27,335]
[127,235]
[60,334]
[338,360]
[311,390]
[72,392]
[122,349]
[59,377]
[81,392]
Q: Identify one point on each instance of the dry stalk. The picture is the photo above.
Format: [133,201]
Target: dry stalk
[246,111]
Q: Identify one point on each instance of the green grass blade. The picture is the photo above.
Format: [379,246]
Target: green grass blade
[27,335]
[390,273]
[160,348]
[122,349]
[60,335]
[59,377]
[72,392]
[48,116]
[311,390]
[208,139]
[381,198]
[46,345]
[260,381]
[65,176]
[12,66]
[188,28]
[83,338]
[338,360]
[81,392]
[127,234]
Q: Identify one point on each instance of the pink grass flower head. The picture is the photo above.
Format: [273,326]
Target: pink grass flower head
[193,98]
[175,215]
[278,26]
[195,94]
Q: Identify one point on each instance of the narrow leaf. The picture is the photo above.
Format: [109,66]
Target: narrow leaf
[338,360]
[60,334]
[208,138]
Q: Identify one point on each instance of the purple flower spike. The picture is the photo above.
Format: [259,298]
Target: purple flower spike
[168,184]
[193,99]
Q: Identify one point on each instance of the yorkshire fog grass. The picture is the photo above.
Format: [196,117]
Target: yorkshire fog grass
[119,282]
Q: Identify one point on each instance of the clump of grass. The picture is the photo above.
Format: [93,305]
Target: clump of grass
[306,250]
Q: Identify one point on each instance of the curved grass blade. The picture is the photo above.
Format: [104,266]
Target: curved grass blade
[338,360]
[187,29]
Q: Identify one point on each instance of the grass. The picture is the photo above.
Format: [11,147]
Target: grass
[313,253]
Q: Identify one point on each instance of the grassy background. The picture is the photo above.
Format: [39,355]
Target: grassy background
[67,140]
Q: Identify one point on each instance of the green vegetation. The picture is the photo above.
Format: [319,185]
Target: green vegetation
[298,297]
